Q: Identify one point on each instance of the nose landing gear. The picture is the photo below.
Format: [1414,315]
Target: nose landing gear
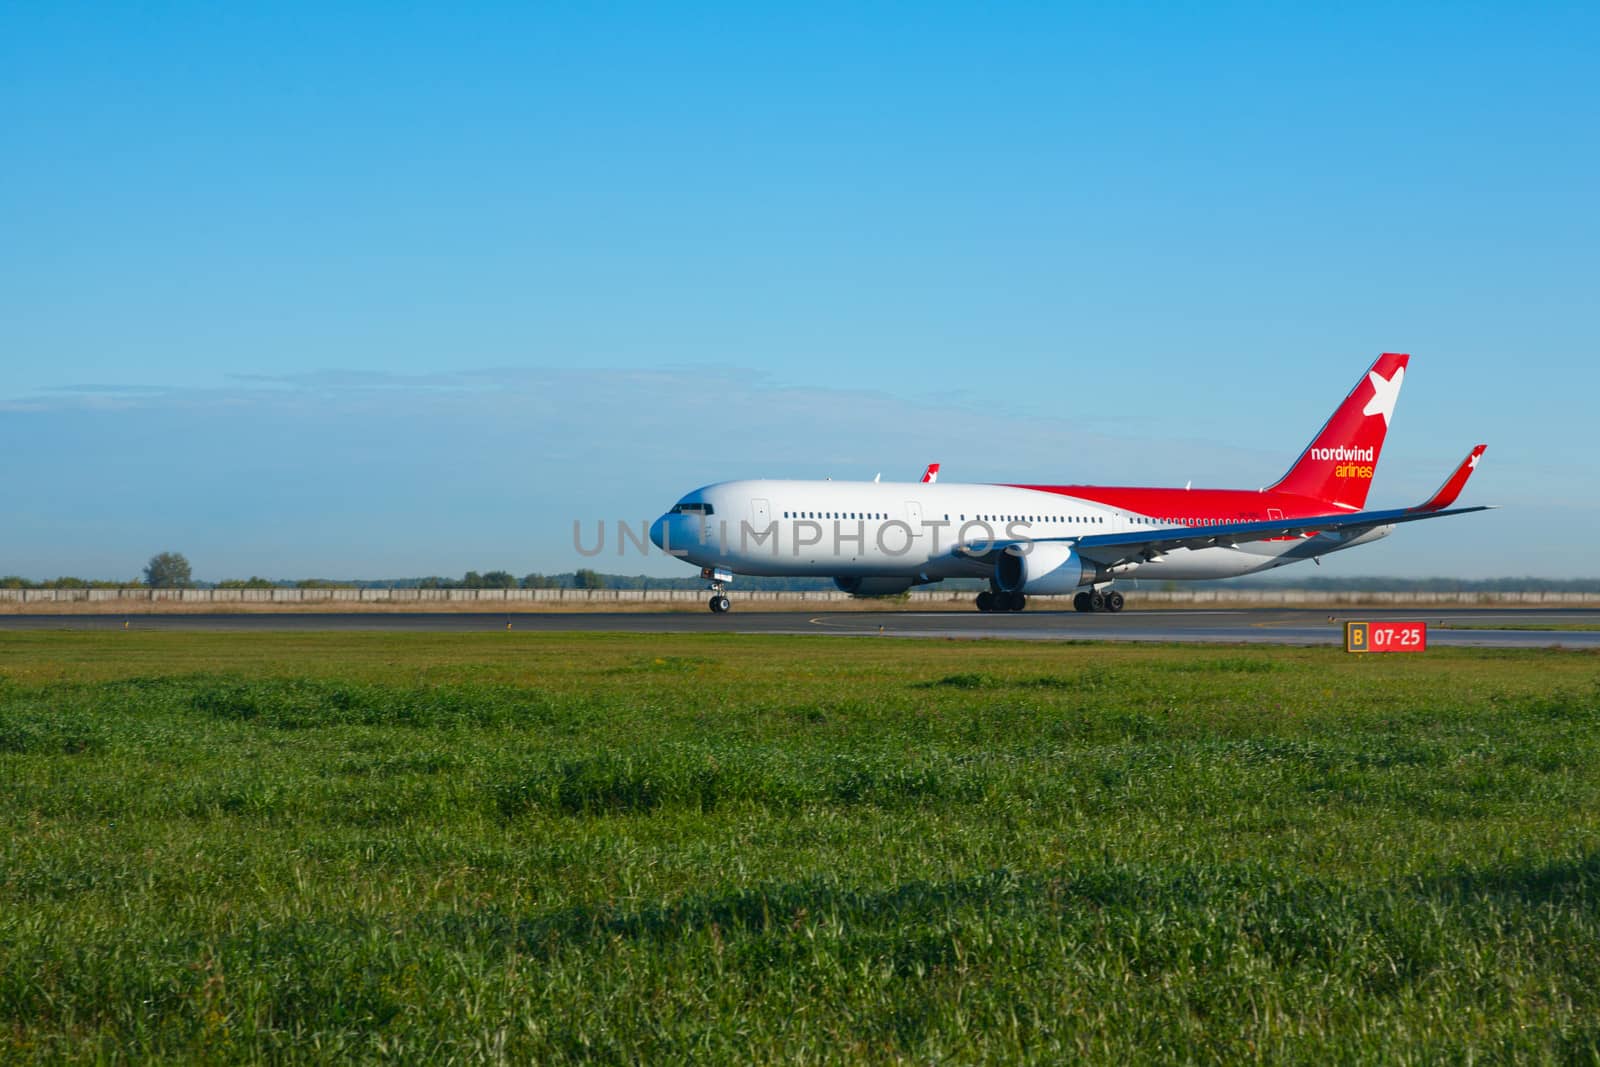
[719,578]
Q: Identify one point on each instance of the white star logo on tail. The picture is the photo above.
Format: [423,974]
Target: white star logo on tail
[1384,394]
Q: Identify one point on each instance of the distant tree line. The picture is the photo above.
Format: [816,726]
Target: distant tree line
[13,581]
[581,579]
[170,575]
[1378,584]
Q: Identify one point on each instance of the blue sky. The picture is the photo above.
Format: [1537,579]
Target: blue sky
[370,290]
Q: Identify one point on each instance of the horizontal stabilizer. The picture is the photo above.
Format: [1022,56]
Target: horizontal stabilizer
[1447,493]
[1112,549]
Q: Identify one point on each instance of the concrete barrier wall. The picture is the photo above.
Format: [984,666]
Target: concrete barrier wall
[578,597]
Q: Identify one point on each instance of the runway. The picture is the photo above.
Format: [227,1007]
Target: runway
[1456,627]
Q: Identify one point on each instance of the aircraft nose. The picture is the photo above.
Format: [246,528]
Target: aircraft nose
[658,532]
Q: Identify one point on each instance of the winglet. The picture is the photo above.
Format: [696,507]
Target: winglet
[931,474]
[1447,493]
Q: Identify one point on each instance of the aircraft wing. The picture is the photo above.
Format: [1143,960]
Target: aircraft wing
[1145,545]
[1137,545]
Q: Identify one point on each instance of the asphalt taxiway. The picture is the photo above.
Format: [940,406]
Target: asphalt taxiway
[1461,627]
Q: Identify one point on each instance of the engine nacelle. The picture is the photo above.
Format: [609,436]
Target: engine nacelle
[1043,568]
[856,585]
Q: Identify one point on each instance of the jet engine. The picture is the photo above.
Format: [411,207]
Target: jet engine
[1044,568]
[856,585]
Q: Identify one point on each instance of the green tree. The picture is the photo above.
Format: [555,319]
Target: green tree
[12,581]
[540,581]
[169,570]
[239,583]
[498,580]
[585,578]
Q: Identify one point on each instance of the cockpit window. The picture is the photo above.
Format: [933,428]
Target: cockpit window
[693,507]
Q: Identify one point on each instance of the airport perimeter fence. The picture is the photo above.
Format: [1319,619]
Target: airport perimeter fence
[490,599]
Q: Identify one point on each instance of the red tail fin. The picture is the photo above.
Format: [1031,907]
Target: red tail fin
[1337,466]
[931,474]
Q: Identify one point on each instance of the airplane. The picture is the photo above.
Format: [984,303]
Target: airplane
[882,538]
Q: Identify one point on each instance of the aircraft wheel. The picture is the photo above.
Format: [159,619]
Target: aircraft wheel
[1016,602]
[1097,601]
[1080,602]
[720,604]
[985,601]
[1114,601]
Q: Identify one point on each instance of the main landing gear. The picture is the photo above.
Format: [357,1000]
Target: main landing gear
[1098,600]
[996,601]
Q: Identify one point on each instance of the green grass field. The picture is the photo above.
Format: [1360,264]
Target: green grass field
[513,847]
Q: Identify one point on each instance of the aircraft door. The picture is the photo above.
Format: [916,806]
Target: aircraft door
[763,532]
[1275,515]
[914,520]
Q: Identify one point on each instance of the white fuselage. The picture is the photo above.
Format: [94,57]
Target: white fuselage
[924,531]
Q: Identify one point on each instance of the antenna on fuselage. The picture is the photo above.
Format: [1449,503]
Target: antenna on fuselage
[877,478]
